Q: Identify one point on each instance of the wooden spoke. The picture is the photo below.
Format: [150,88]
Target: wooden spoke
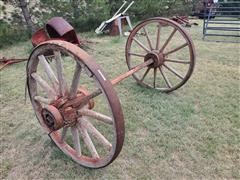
[168,40]
[42,99]
[177,61]
[145,74]
[136,54]
[158,37]
[59,66]
[64,133]
[75,81]
[87,140]
[49,71]
[141,45]
[173,71]
[95,133]
[154,78]
[148,39]
[176,49]
[76,141]
[96,115]
[165,78]
[50,91]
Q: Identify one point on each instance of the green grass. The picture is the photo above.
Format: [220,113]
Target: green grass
[191,133]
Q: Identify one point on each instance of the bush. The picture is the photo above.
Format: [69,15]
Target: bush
[11,35]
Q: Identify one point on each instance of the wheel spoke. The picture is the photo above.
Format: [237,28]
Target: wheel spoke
[145,74]
[75,81]
[173,71]
[95,133]
[62,83]
[64,133]
[136,54]
[177,61]
[148,39]
[141,45]
[96,115]
[42,99]
[50,91]
[165,78]
[154,79]
[158,37]
[49,71]
[76,141]
[176,49]
[87,140]
[168,40]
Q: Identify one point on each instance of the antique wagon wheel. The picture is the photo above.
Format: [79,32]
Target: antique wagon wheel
[171,48]
[60,78]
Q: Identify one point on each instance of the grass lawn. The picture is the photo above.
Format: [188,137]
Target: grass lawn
[193,132]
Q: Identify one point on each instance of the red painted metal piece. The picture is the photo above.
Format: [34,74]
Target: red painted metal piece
[183,20]
[5,62]
[56,28]
[39,37]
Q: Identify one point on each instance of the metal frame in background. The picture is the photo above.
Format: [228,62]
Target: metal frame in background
[222,20]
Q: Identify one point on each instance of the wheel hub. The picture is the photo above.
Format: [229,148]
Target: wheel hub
[64,111]
[52,117]
[158,59]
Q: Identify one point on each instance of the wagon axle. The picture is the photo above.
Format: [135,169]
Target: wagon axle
[76,103]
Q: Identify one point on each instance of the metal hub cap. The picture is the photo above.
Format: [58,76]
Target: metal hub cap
[158,59]
[52,117]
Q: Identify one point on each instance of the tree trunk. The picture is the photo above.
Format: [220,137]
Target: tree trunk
[27,17]
[75,6]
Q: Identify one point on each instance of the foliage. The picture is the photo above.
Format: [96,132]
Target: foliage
[11,35]
[85,15]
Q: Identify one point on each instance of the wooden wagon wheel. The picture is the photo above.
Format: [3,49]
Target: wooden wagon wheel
[60,76]
[171,48]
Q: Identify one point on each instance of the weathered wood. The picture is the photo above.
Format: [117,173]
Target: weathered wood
[148,39]
[136,54]
[145,74]
[173,71]
[158,37]
[154,77]
[76,141]
[50,91]
[49,71]
[87,140]
[42,99]
[62,83]
[168,40]
[177,61]
[141,45]
[96,115]
[176,49]
[75,81]
[94,132]
[64,133]
[165,78]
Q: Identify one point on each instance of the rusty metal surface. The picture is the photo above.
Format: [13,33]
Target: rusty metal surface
[8,61]
[57,27]
[68,109]
[63,111]
[161,56]
[131,72]
[106,88]
[183,20]
[39,37]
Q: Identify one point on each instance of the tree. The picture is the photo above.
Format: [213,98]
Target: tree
[27,17]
